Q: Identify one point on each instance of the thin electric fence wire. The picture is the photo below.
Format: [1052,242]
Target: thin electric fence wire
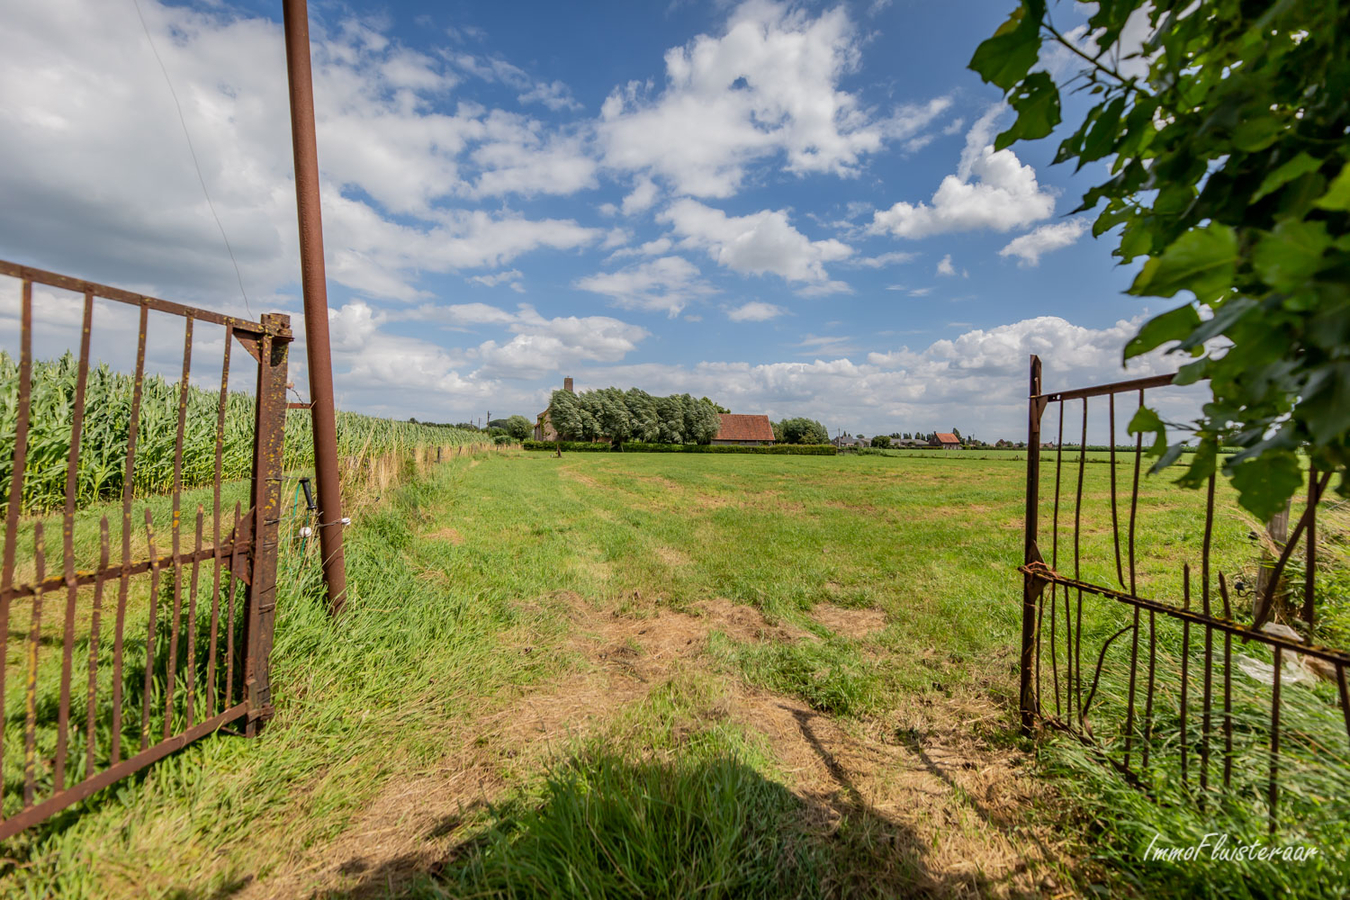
[192,150]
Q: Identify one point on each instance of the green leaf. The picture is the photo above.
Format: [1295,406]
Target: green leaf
[1109,218]
[1299,165]
[1264,485]
[1105,131]
[1256,133]
[1037,103]
[1005,58]
[1169,456]
[1337,196]
[1232,309]
[1174,325]
[1136,240]
[1146,421]
[1291,253]
[1326,403]
[1202,261]
[1203,464]
[1191,373]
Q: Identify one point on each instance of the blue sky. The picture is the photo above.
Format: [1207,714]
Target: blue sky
[795,209]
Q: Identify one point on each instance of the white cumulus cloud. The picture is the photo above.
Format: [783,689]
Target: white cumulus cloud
[667,284]
[768,85]
[1029,247]
[757,244]
[990,190]
[755,311]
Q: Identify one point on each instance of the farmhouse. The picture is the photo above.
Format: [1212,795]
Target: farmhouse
[744,430]
[946,441]
[543,425]
[849,442]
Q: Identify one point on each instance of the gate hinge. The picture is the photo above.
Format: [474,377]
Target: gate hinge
[259,700]
[241,564]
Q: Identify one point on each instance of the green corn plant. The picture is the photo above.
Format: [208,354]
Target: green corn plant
[107,425]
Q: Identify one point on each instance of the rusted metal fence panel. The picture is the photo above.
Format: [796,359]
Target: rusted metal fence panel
[1131,679]
[191,627]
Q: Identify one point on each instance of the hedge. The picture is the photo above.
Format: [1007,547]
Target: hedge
[639,447]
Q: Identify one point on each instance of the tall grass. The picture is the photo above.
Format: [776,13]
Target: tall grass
[107,425]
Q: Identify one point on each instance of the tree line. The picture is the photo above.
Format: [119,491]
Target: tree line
[633,415]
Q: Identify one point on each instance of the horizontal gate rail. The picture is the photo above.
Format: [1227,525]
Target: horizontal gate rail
[148,649]
[1162,678]
[118,295]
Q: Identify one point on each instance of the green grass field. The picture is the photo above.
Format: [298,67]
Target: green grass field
[616,675]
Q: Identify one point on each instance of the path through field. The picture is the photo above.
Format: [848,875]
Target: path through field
[943,812]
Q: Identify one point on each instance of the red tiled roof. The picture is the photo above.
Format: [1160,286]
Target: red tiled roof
[945,438]
[744,428]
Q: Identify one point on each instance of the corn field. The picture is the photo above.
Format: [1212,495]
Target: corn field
[107,422]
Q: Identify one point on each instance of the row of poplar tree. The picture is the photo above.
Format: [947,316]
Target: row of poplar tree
[633,415]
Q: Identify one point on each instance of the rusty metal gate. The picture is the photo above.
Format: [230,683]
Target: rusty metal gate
[87,701]
[1131,680]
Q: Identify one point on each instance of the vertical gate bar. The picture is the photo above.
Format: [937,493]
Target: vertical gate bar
[1309,580]
[14,502]
[1054,588]
[1208,695]
[1115,513]
[1266,603]
[1185,663]
[171,675]
[1129,694]
[191,684]
[1227,687]
[1054,663]
[236,556]
[1077,562]
[35,629]
[1345,697]
[103,553]
[1273,788]
[1030,632]
[1152,682]
[68,545]
[1133,586]
[269,442]
[215,527]
[1036,651]
[1134,503]
[128,489]
[150,630]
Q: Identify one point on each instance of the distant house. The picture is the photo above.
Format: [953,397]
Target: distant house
[849,442]
[908,442]
[543,423]
[744,430]
[945,441]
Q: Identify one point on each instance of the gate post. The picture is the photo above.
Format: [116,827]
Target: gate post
[1027,696]
[269,443]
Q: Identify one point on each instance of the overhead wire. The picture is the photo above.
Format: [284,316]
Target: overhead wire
[193,151]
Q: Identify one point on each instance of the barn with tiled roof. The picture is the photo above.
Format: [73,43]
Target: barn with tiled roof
[745,430]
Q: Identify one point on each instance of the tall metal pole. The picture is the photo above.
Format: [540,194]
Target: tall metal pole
[317,353]
[1028,700]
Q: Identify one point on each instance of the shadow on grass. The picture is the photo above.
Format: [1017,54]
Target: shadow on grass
[709,827]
